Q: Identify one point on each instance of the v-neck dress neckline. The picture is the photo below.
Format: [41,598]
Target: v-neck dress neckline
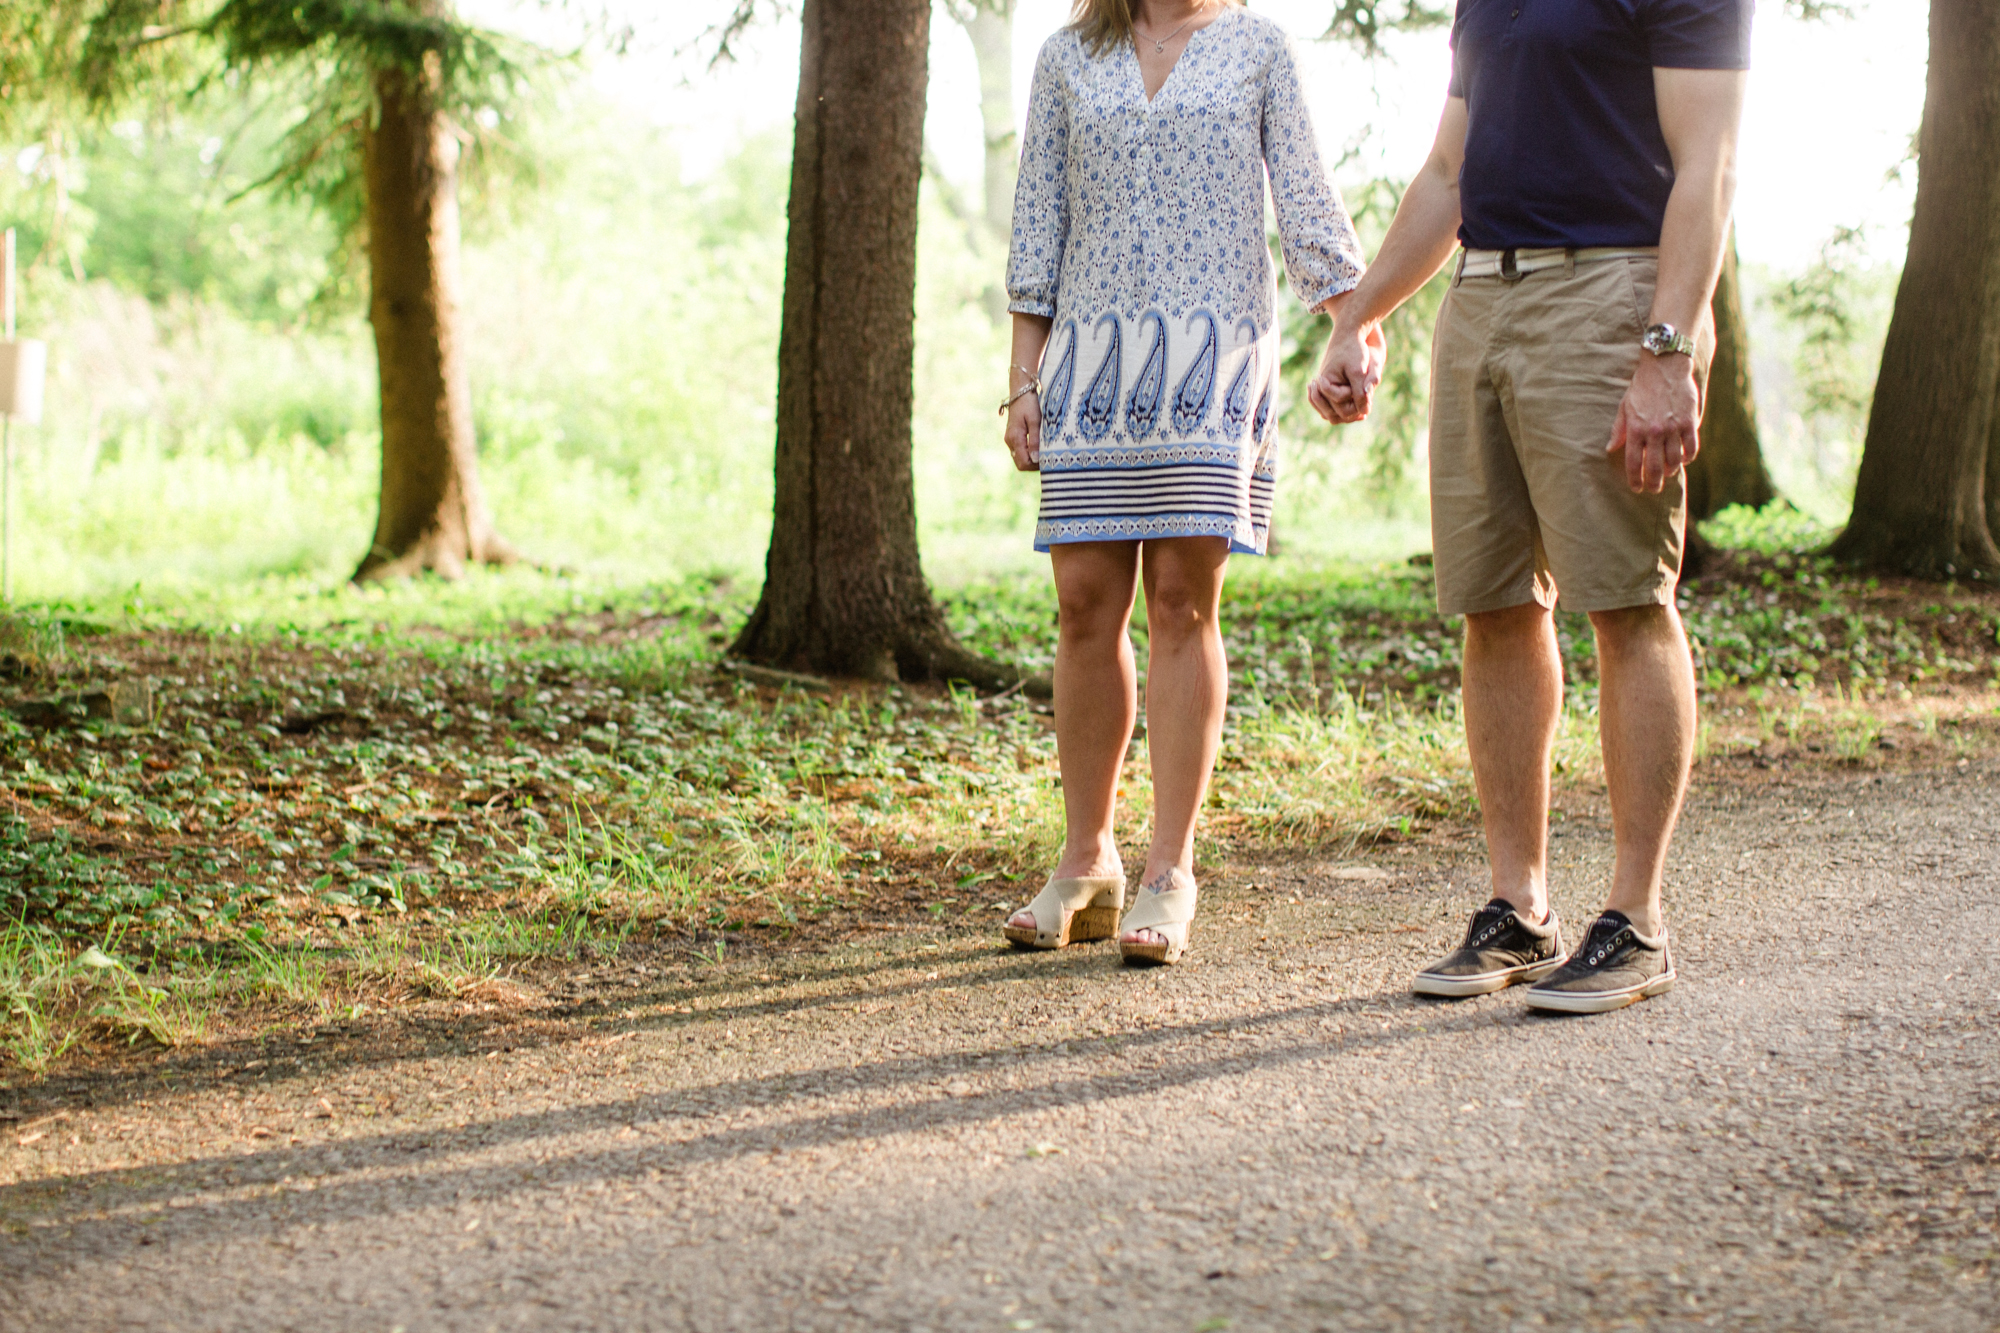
[1139,71]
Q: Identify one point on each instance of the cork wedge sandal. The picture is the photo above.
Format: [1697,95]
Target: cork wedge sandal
[1072,911]
[1169,914]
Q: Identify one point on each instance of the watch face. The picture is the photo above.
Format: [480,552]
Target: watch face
[1660,339]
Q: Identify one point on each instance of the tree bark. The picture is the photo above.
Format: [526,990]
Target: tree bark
[1920,502]
[1729,470]
[844,591]
[1993,470]
[433,512]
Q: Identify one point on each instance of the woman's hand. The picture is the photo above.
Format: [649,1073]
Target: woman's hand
[1344,389]
[1024,432]
[1024,412]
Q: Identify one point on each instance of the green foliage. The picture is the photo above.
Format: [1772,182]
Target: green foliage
[1821,302]
[623,336]
[1818,336]
[104,44]
[622,329]
[172,215]
[371,35]
[1388,440]
[1363,23]
[35,975]
[1779,528]
[565,747]
[313,72]
[332,57]
[45,48]
[407,790]
[1777,614]
[561,754]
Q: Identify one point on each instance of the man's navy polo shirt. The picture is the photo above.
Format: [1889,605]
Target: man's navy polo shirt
[1563,142]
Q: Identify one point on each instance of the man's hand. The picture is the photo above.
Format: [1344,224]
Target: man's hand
[1344,389]
[1024,432]
[1659,422]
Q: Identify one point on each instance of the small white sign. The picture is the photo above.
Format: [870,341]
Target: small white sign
[22,367]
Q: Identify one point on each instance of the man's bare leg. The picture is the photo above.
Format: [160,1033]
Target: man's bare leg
[1646,710]
[1513,700]
[1097,696]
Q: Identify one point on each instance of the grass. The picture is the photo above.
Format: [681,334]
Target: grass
[36,973]
[410,795]
[53,996]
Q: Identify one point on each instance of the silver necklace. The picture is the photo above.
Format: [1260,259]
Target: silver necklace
[1160,45]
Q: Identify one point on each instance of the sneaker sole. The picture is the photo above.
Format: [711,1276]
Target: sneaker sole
[1483,983]
[1599,1002]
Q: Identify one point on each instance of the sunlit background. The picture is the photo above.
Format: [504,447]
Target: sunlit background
[211,415]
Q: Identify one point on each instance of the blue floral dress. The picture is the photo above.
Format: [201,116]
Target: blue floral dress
[1139,229]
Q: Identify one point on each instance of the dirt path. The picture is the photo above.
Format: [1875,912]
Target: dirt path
[930,1134]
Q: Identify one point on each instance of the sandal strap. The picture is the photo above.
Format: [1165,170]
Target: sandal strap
[1153,911]
[1060,897]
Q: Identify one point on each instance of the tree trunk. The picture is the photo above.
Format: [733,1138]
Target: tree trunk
[1729,470]
[1920,503]
[1993,469]
[433,513]
[844,592]
[991,28]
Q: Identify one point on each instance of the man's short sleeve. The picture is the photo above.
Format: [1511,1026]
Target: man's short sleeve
[1457,74]
[1698,34]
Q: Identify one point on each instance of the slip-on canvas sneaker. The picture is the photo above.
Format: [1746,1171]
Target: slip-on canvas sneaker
[1501,949]
[1613,967]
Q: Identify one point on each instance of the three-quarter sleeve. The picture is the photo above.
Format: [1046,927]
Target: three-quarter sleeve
[1041,203]
[1322,256]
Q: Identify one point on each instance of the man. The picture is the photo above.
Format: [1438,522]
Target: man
[1586,161]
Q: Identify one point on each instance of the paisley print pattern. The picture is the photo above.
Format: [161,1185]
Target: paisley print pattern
[1236,403]
[1055,393]
[1260,427]
[1100,400]
[1147,216]
[1142,409]
[1191,398]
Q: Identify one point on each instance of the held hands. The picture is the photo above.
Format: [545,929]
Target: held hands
[1658,423]
[1024,432]
[1345,386]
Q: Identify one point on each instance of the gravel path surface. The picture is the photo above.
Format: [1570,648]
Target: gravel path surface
[927,1133]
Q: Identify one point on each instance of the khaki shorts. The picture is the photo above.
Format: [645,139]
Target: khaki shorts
[1526,378]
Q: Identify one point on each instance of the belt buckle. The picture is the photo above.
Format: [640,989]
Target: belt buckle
[1510,268]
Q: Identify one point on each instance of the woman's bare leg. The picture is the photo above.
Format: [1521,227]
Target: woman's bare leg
[1096,699]
[1187,688]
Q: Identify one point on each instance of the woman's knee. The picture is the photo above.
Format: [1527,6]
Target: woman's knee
[1095,585]
[1092,609]
[1181,607]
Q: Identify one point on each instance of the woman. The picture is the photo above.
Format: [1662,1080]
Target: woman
[1139,245]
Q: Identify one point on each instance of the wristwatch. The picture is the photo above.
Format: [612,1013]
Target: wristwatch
[1662,339]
